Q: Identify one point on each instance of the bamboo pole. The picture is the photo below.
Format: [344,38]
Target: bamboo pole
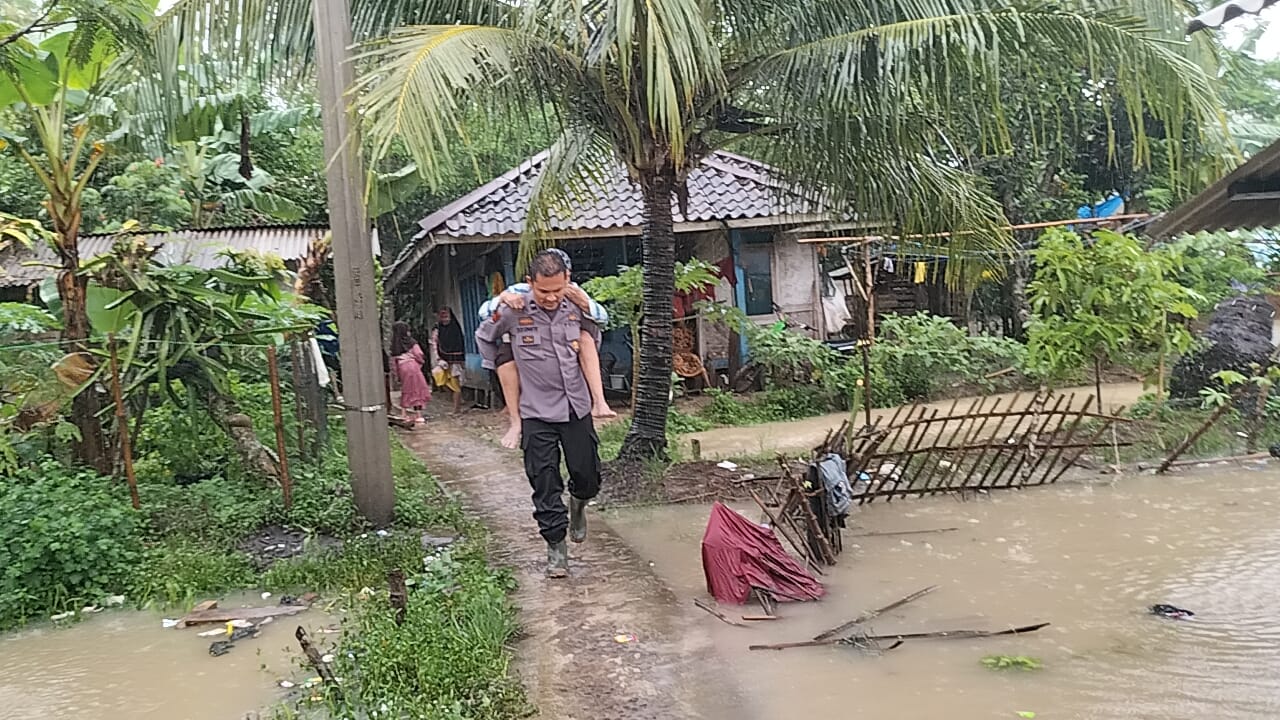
[868,239]
[937,635]
[872,614]
[277,415]
[122,423]
[1193,437]
[799,547]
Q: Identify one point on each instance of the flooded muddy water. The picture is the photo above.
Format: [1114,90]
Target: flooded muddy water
[1087,558]
[122,664]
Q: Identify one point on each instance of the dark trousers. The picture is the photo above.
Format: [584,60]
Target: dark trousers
[542,443]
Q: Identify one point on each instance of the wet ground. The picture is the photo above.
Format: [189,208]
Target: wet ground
[123,664]
[1087,558]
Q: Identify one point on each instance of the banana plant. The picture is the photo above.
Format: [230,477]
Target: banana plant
[184,330]
[49,72]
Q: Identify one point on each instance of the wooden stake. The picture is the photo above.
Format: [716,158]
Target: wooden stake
[277,415]
[317,661]
[398,594]
[122,425]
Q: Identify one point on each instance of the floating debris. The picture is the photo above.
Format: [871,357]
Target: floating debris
[220,647]
[1170,611]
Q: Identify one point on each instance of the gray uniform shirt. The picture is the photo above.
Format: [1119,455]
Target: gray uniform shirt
[545,346]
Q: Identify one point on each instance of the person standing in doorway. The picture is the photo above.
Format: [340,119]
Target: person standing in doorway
[555,402]
[450,355]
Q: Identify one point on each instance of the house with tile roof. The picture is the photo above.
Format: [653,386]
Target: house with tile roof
[738,216]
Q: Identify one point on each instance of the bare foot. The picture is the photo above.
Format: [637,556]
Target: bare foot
[601,409]
[512,439]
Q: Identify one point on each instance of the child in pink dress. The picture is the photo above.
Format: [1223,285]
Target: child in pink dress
[407,360]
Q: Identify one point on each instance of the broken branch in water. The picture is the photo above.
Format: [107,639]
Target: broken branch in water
[937,635]
[316,660]
[905,532]
[841,629]
[717,613]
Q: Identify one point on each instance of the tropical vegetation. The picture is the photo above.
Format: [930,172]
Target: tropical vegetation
[657,87]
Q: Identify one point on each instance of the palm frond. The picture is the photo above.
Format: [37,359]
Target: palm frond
[579,164]
[912,73]
[416,94]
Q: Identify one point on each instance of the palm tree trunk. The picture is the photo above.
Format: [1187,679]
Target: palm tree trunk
[90,449]
[648,435]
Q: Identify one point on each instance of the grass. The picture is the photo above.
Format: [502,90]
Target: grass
[1158,429]
[451,658]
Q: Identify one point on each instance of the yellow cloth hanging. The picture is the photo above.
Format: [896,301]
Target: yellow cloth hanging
[921,270]
[497,284]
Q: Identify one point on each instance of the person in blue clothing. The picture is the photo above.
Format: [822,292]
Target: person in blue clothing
[515,297]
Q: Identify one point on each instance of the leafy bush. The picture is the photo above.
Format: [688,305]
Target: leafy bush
[1213,265]
[68,539]
[915,353]
[1101,301]
[912,357]
[781,404]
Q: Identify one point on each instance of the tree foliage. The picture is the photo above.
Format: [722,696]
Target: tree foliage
[1103,299]
[657,87]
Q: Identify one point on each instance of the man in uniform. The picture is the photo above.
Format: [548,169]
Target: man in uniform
[555,403]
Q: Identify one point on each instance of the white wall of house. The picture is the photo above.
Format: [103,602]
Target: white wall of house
[795,281]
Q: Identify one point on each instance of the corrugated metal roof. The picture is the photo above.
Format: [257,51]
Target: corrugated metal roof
[21,267]
[1226,12]
[724,187]
[1249,197]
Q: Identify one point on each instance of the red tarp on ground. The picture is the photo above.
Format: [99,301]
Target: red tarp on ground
[738,554]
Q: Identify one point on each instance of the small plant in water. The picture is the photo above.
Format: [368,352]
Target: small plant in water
[1012,662]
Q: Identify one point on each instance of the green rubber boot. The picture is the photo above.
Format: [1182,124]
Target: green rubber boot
[557,560]
[577,519]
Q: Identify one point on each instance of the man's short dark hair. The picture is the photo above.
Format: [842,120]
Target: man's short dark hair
[547,263]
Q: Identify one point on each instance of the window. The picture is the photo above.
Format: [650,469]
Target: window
[757,272]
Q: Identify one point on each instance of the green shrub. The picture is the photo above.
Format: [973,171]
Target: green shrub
[915,354]
[68,539]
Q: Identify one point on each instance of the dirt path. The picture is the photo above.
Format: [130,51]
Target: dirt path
[569,660]
[803,435]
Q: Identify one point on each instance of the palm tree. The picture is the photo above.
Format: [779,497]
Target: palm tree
[870,101]
[864,99]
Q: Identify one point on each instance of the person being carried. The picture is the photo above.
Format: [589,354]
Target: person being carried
[450,355]
[555,402]
[508,375]
[407,361]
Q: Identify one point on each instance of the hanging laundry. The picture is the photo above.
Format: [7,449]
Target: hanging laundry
[888,265]
[921,269]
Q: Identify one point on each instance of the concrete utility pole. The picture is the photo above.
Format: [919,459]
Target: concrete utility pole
[368,440]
